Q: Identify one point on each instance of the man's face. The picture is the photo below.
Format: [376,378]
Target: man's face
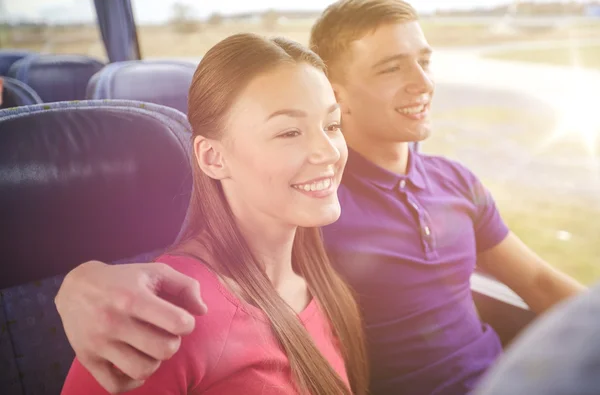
[387,86]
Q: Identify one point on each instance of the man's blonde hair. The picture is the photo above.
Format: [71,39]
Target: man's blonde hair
[348,20]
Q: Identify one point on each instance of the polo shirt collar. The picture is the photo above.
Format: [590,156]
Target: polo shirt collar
[361,167]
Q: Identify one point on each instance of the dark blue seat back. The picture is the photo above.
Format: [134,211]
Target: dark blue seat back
[56,77]
[10,56]
[15,94]
[155,81]
[107,180]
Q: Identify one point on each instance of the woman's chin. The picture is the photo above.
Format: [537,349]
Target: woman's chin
[318,218]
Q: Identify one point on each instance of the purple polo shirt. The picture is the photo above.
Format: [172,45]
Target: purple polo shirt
[408,246]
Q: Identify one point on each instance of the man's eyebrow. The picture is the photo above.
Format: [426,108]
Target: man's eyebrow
[332,108]
[401,56]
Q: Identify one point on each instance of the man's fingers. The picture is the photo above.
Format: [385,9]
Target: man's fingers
[129,361]
[152,309]
[110,378]
[150,340]
[180,289]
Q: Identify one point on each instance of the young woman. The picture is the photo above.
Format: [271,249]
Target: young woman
[269,156]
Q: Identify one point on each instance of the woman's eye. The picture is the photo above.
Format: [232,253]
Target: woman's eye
[291,133]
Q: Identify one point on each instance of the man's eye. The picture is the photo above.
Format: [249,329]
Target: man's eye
[334,127]
[390,70]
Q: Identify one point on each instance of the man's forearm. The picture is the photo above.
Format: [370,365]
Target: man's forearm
[551,287]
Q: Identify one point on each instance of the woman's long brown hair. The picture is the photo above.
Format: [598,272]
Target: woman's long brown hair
[223,73]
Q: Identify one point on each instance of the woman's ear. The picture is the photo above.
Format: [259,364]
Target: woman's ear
[210,157]
[342,98]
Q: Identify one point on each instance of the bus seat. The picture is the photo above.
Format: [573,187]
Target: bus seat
[107,180]
[155,81]
[10,56]
[15,94]
[56,77]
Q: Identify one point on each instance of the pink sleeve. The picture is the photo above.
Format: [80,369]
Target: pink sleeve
[174,377]
[177,375]
[171,378]
[79,380]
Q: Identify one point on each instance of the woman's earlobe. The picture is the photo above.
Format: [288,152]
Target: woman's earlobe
[210,158]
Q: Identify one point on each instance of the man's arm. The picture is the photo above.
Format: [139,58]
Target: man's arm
[516,265]
[503,255]
[129,316]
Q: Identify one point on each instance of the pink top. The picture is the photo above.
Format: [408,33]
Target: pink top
[232,349]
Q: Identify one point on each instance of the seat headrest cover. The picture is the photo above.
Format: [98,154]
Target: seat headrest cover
[155,81]
[15,93]
[89,180]
[10,56]
[56,77]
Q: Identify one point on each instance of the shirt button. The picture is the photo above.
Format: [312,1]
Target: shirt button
[402,184]
[427,230]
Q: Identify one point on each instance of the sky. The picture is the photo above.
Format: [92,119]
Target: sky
[157,11]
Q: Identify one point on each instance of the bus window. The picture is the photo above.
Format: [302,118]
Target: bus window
[51,26]
[185,29]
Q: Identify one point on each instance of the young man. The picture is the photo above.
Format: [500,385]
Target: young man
[413,227]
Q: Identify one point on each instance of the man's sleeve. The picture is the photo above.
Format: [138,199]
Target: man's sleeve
[490,228]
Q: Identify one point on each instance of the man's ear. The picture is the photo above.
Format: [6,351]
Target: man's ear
[342,98]
[210,157]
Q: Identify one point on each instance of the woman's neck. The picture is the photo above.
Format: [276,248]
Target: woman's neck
[272,247]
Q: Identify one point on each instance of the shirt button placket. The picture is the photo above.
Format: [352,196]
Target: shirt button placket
[425,228]
[427,233]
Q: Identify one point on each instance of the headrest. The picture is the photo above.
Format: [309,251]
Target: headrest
[154,81]
[15,93]
[89,180]
[56,77]
[10,56]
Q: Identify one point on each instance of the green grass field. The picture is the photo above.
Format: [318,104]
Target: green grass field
[584,56]
[540,221]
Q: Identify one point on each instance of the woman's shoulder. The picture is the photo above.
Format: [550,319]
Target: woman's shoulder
[219,301]
[188,265]
[202,347]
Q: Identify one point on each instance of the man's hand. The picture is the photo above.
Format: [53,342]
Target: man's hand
[123,320]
